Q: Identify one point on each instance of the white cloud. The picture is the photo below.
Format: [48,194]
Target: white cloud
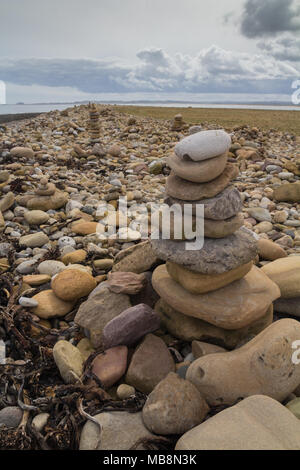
[211,70]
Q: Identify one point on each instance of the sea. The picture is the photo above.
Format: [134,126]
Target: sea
[44,108]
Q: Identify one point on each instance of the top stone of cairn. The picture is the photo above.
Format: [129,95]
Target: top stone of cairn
[203,145]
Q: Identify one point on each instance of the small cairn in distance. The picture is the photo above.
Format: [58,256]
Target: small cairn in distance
[94,128]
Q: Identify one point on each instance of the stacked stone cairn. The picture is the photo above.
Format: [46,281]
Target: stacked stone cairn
[94,128]
[216,293]
[178,123]
[46,197]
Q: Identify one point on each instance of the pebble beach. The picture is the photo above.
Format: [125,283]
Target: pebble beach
[104,329]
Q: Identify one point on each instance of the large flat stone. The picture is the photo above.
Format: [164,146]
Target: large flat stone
[231,307]
[189,328]
[215,257]
[198,172]
[203,145]
[188,191]
[198,283]
[224,205]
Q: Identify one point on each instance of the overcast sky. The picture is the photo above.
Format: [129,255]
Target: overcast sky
[79,49]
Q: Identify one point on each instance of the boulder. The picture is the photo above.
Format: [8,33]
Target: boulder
[46,203]
[263,366]
[10,417]
[34,240]
[36,217]
[7,201]
[223,206]
[256,423]
[288,192]
[126,283]
[22,152]
[288,306]
[269,250]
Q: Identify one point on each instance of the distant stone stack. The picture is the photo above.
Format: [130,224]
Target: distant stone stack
[214,294]
[178,123]
[94,127]
[46,197]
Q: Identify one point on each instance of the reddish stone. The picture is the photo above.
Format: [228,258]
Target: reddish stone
[130,326]
[110,365]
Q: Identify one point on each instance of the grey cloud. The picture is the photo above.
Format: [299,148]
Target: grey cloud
[286,47]
[211,70]
[268,17]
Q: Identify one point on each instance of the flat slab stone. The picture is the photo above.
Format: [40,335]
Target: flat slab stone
[188,191]
[224,205]
[231,307]
[215,257]
[256,423]
[198,283]
[178,229]
[198,172]
[204,145]
[189,328]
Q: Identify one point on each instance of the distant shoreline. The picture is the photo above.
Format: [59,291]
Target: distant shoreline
[5,118]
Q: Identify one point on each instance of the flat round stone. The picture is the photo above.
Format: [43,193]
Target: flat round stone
[215,257]
[188,191]
[198,172]
[224,205]
[203,145]
[232,307]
